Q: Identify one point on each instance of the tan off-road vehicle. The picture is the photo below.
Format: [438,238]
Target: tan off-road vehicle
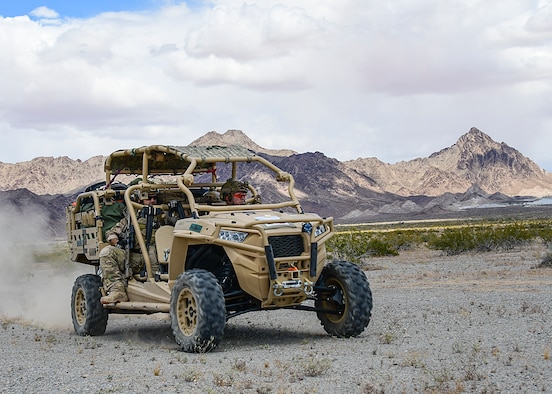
[216,260]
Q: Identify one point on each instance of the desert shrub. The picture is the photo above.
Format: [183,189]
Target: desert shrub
[512,236]
[349,246]
[401,239]
[454,241]
[546,260]
[353,245]
[544,232]
[380,247]
[482,238]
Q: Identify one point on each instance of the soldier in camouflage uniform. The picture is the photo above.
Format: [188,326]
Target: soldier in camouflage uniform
[148,201]
[112,263]
[233,192]
[136,259]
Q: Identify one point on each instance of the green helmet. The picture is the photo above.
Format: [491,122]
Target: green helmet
[232,186]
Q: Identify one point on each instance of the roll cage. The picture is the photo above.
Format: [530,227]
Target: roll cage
[184,164]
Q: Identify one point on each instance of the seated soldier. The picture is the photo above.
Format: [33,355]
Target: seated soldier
[149,200]
[233,192]
[123,229]
[112,263]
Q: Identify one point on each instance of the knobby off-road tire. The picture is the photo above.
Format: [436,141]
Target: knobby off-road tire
[198,311]
[88,314]
[353,298]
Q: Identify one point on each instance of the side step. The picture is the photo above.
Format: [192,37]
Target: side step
[147,307]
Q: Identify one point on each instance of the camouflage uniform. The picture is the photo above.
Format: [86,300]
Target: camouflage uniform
[118,228]
[152,250]
[136,260]
[112,263]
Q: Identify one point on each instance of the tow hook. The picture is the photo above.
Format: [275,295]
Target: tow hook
[306,286]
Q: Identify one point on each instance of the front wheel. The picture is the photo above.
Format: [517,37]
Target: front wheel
[88,314]
[343,299]
[198,311]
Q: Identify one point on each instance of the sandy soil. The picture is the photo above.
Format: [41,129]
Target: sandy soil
[469,323]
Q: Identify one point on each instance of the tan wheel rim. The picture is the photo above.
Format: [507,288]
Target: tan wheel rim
[80,307]
[186,312]
[339,297]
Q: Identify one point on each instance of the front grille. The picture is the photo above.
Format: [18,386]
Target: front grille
[286,245]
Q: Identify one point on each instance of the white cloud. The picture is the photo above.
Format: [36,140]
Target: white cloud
[541,20]
[44,12]
[250,33]
[394,79]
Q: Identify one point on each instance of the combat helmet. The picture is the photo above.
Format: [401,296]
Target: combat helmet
[232,186]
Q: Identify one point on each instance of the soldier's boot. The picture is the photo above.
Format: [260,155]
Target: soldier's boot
[114,297]
[116,294]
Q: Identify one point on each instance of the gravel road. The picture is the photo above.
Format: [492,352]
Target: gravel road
[469,323]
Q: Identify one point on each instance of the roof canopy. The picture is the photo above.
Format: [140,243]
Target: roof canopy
[167,159]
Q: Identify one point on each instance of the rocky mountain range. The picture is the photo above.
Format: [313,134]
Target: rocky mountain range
[474,172]
[475,159]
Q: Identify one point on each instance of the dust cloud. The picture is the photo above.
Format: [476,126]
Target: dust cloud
[36,273]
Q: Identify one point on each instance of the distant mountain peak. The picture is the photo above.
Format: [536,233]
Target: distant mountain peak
[477,152]
[230,137]
[475,159]
[476,133]
[476,141]
[237,137]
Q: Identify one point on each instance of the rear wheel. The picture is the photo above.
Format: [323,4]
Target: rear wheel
[344,299]
[198,312]
[88,314]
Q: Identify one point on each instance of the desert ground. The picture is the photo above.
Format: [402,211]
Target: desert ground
[440,324]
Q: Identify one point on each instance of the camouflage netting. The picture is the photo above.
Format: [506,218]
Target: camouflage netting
[171,159]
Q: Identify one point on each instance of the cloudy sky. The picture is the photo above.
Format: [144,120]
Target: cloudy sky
[395,79]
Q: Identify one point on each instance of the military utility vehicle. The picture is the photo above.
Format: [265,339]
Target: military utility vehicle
[216,261]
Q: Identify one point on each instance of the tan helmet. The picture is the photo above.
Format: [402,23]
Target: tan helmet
[232,186]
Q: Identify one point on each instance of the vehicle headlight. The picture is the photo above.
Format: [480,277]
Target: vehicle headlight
[233,236]
[320,230]
[307,228]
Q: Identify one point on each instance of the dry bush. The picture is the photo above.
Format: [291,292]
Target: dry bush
[546,260]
